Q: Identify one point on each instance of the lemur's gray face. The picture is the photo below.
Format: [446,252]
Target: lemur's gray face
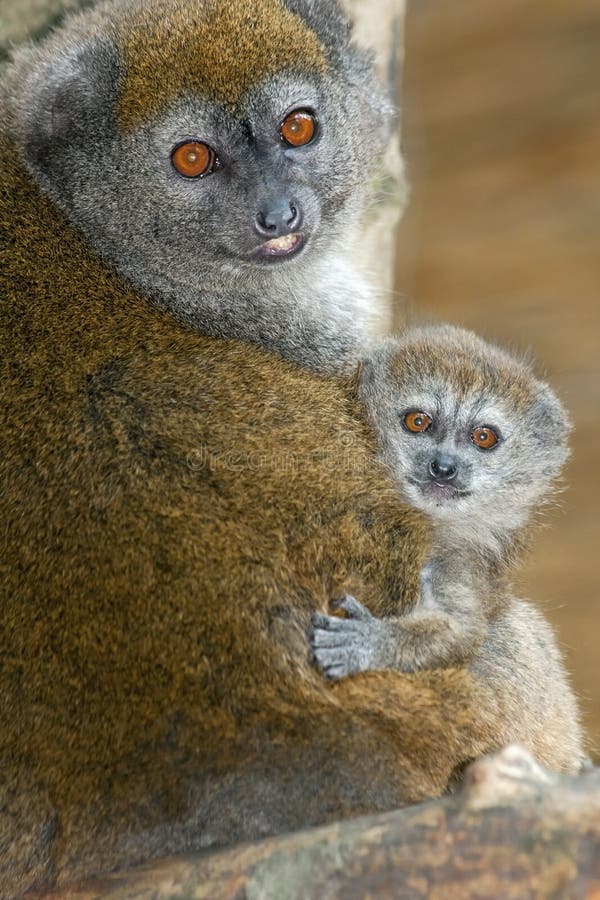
[218,156]
[453,454]
[201,192]
[278,181]
[464,450]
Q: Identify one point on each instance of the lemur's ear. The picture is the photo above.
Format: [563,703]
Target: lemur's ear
[326,19]
[548,412]
[332,26]
[355,380]
[70,99]
[364,380]
[365,371]
[548,427]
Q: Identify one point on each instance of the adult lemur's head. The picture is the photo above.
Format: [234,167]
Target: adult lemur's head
[208,146]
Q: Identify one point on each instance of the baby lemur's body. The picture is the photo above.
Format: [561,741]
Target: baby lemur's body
[474,441]
[180,183]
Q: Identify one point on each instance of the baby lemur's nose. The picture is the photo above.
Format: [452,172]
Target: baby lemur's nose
[277,217]
[443,468]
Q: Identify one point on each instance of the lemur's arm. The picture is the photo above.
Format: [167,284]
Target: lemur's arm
[444,629]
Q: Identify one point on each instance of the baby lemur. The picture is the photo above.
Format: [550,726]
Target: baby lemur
[474,441]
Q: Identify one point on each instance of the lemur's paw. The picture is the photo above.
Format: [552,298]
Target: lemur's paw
[344,646]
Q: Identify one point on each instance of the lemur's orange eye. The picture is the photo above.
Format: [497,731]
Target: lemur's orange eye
[194,159]
[298,128]
[484,437]
[417,422]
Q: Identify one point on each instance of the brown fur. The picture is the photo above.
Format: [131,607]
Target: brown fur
[157,691]
[216,49]
[448,355]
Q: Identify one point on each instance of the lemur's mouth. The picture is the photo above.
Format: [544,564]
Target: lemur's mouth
[440,491]
[281,247]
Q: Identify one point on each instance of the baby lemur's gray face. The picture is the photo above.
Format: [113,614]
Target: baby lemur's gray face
[467,430]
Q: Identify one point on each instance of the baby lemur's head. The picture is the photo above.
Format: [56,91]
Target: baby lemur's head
[471,436]
[205,145]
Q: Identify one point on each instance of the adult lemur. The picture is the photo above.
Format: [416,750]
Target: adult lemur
[176,504]
[221,167]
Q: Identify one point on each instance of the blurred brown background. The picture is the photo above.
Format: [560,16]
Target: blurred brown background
[501,124]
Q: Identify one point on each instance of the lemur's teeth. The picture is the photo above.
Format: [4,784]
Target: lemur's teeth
[282,243]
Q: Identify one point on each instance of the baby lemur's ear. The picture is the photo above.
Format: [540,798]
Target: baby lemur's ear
[364,380]
[364,371]
[356,379]
[549,427]
[70,100]
[549,415]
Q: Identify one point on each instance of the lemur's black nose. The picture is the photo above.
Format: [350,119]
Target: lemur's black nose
[277,218]
[443,468]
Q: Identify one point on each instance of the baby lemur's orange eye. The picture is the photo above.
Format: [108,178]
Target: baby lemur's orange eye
[417,422]
[194,159]
[298,128]
[484,437]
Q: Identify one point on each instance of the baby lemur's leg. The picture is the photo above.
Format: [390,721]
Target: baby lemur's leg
[444,629]
[520,659]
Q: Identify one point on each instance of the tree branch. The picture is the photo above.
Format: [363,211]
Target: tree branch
[514,830]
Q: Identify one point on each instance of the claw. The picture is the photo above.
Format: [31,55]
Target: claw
[351,606]
[320,621]
[334,623]
[334,673]
[336,603]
